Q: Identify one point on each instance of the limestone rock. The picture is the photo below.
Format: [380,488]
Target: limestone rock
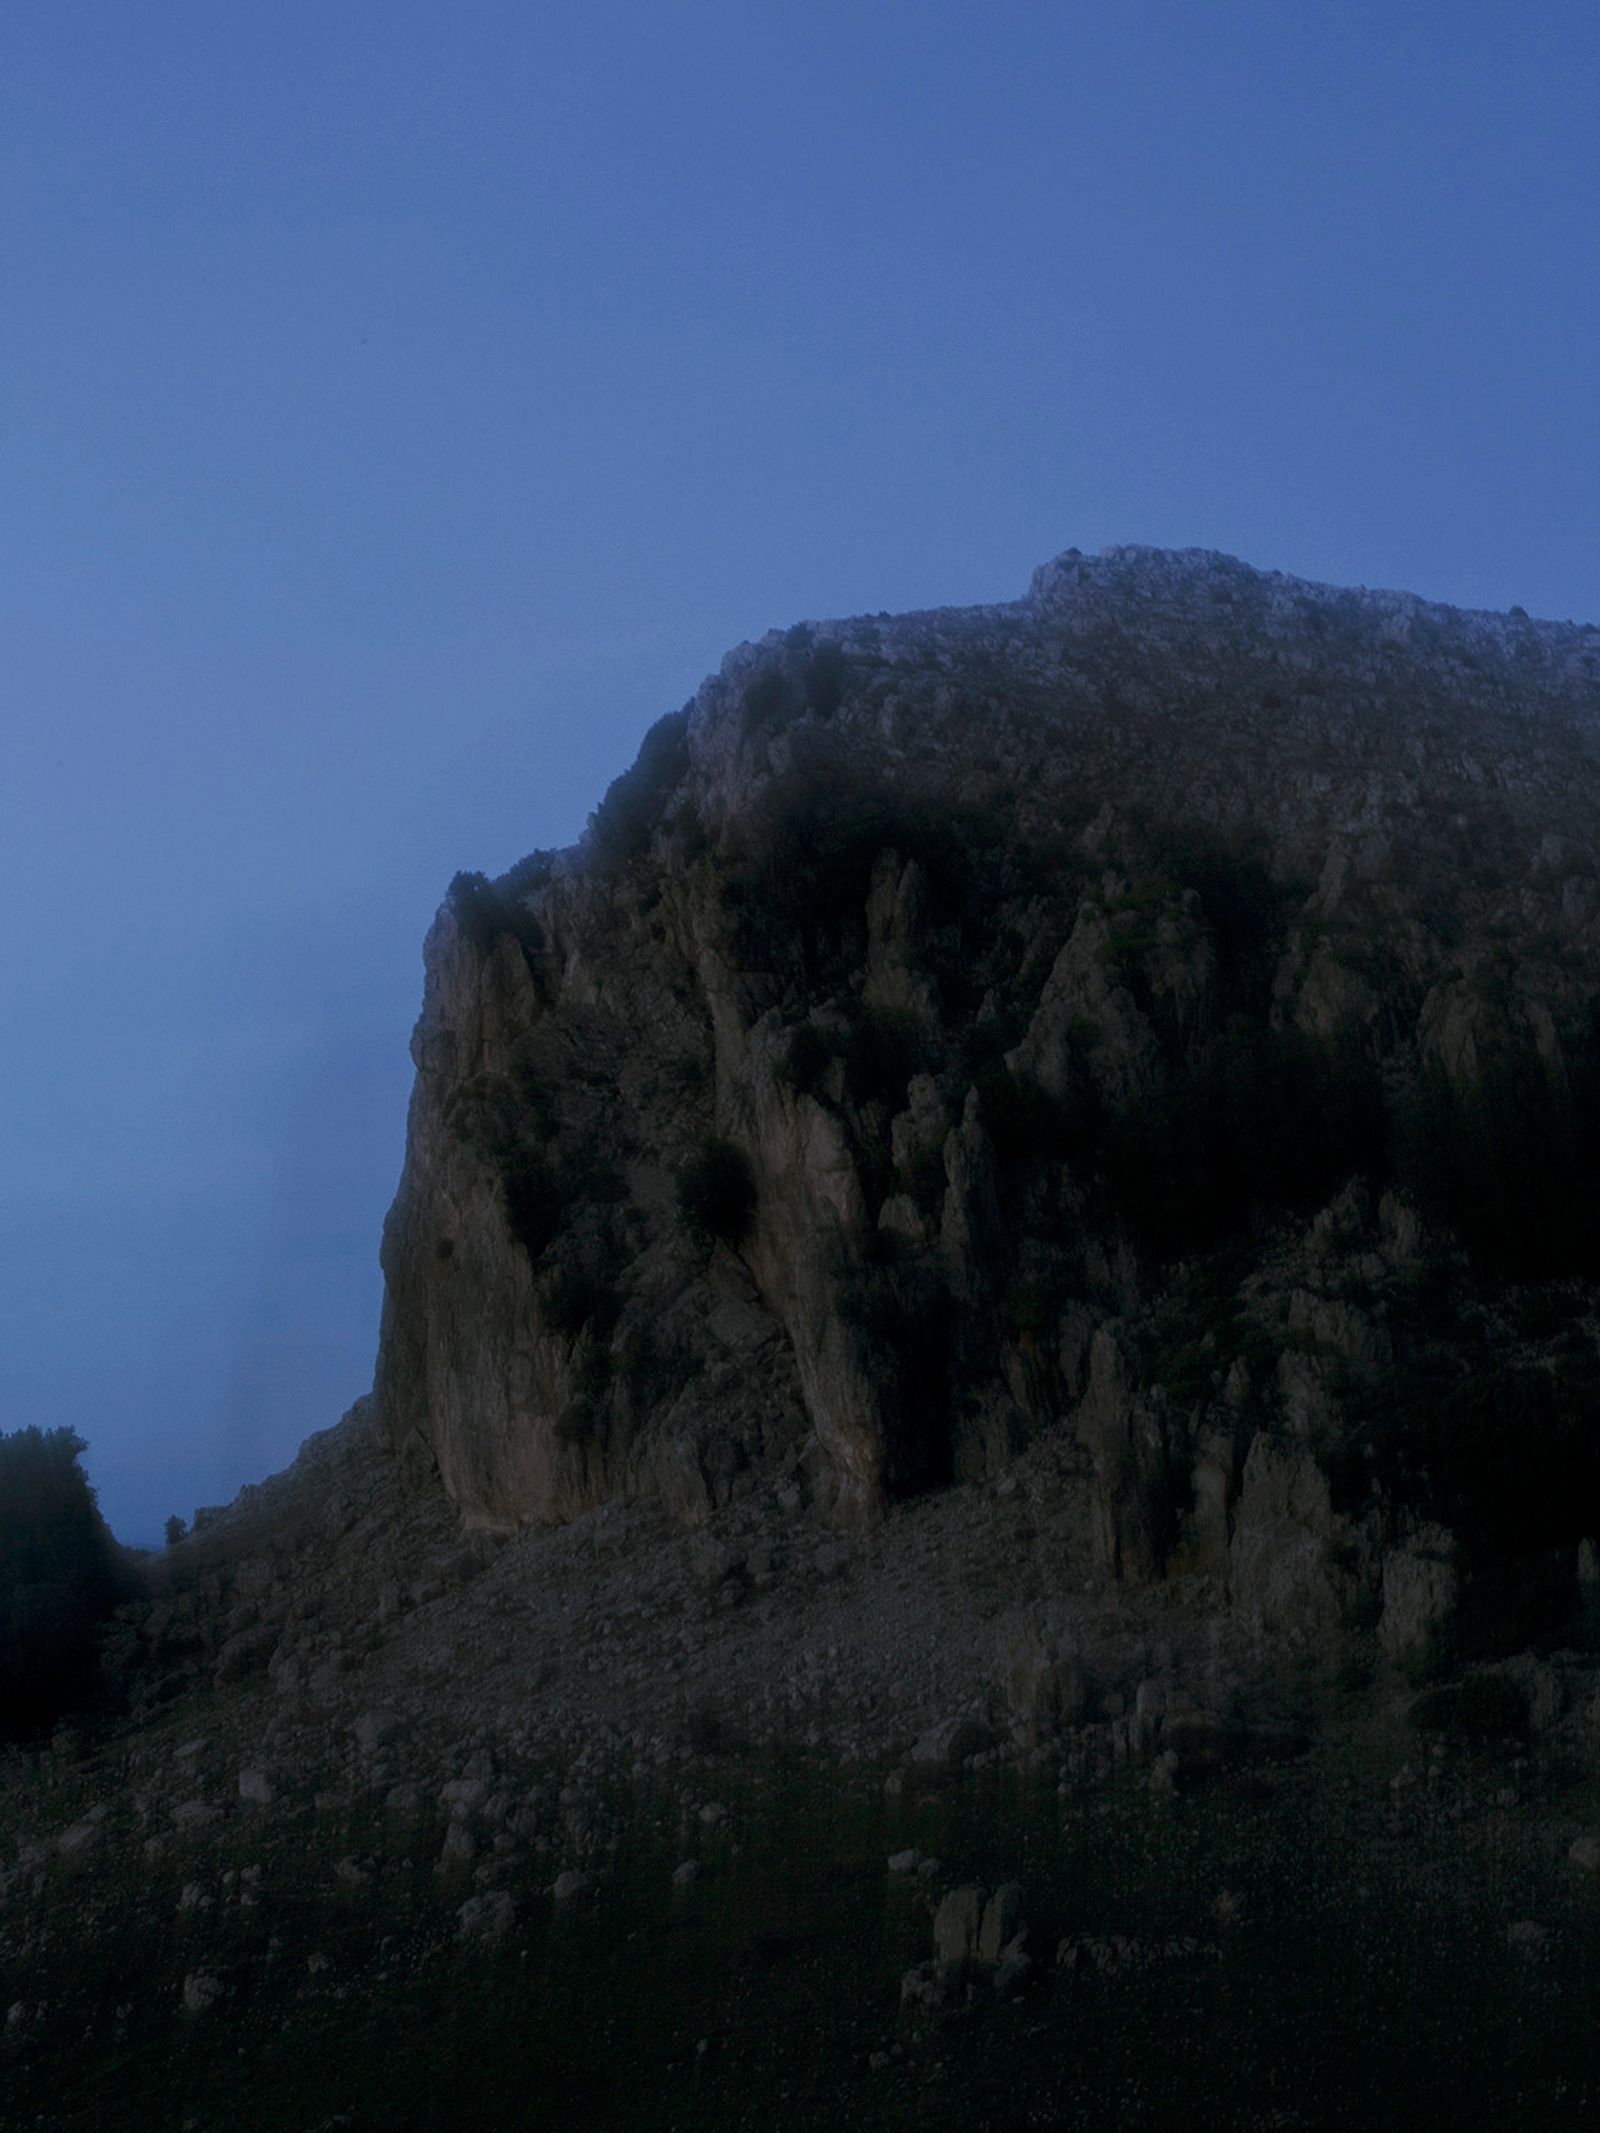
[374,1729]
[202,1990]
[1279,1568]
[1419,1597]
[957,1924]
[1002,1922]
[488,1918]
[946,1746]
[1043,1682]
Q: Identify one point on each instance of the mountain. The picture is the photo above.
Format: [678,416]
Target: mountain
[1161,1009]
[980,1499]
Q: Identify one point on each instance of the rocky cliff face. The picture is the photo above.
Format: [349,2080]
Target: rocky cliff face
[1161,1009]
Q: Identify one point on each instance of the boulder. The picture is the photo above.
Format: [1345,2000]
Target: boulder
[1201,1741]
[1002,1922]
[1419,1598]
[488,1918]
[1042,1682]
[945,1747]
[978,1942]
[956,1926]
[246,1653]
[202,1990]
[373,1729]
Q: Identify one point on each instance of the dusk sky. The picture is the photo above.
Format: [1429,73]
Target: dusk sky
[402,406]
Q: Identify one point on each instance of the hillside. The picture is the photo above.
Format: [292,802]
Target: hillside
[996,1282]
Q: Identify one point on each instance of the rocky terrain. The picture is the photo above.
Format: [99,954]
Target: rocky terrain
[382,1784]
[984,1433]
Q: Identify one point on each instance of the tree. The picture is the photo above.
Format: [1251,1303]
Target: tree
[58,1577]
[176,1528]
[717,1192]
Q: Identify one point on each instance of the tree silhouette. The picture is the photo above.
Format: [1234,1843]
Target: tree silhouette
[58,1577]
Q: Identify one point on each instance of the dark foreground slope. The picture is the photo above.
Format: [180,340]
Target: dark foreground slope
[622,1828]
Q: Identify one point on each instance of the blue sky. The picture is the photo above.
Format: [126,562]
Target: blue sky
[401,406]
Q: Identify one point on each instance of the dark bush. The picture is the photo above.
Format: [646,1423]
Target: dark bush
[1200,1329]
[826,672]
[528,874]
[1244,907]
[1506,1162]
[575,1297]
[1513,1456]
[1481,1707]
[801,876]
[485,909]
[1434,1710]
[925,1179]
[884,1048]
[905,1320]
[479,910]
[1263,1119]
[806,1059]
[1027,1124]
[766,699]
[717,1192]
[532,1198]
[59,1578]
[621,826]
[1512,1603]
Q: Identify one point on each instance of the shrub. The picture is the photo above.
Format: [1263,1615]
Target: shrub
[478,910]
[1263,1118]
[1505,1162]
[1026,1124]
[825,674]
[717,1192]
[1243,905]
[885,1048]
[576,1296]
[485,909]
[1481,1707]
[58,1578]
[1514,1457]
[621,826]
[532,1196]
[802,873]
[806,1059]
[766,699]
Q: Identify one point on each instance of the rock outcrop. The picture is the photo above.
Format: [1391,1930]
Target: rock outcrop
[1086,1013]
